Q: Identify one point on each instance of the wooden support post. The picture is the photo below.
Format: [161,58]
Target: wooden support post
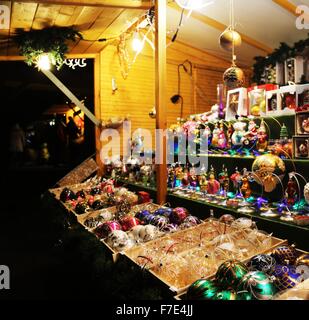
[97,108]
[161,102]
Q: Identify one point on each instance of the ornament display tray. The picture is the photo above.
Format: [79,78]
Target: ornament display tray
[184,249]
[299,292]
[284,295]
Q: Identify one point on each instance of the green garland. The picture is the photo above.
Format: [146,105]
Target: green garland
[281,54]
[49,40]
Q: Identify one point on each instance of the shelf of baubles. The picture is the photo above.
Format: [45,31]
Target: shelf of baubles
[201,207]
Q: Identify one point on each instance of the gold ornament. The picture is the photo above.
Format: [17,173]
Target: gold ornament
[153,113]
[228,37]
[234,77]
[268,168]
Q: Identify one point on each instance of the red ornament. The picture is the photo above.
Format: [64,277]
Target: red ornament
[129,222]
[179,215]
[106,228]
[143,197]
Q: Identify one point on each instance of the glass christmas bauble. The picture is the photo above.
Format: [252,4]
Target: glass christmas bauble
[67,195]
[228,37]
[202,290]
[179,215]
[258,284]
[306,193]
[234,77]
[262,262]
[230,274]
[284,254]
[81,208]
[286,277]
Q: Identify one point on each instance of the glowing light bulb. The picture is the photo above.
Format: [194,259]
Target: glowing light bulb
[137,43]
[43,62]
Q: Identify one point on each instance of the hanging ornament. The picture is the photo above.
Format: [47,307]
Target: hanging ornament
[258,284]
[202,290]
[230,273]
[234,77]
[153,113]
[228,38]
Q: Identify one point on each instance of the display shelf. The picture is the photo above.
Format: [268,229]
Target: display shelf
[281,229]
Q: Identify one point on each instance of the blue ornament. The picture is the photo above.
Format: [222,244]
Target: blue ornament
[286,277]
[142,215]
[262,262]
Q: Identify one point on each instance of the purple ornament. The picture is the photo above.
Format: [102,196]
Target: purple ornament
[159,221]
[179,215]
[142,215]
[170,228]
[67,195]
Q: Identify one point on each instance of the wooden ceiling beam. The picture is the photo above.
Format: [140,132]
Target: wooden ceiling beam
[125,4]
[221,27]
[288,6]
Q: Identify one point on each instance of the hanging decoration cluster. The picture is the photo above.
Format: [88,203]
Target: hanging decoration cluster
[233,77]
[281,54]
[51,41]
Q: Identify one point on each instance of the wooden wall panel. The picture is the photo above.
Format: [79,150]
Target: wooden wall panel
[135,95]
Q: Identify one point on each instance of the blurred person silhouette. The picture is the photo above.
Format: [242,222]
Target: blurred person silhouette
[17,144]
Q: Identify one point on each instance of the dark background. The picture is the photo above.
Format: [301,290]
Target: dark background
[28,245]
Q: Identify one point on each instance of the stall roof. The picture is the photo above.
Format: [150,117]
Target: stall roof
[262,23]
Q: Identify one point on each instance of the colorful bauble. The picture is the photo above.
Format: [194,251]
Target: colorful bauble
[142,214]
[67,195]
[93,222]
[129,222]
[306,193]
[149,218]
[96,190]
[170,228]
[266,165]
[179,215]
[228,38]
[227,295]
[286,277]
[81,208]
[119,240]
[262,262]
[234,77]
[98,205]
[148,233]
[258,284]
[302,260]
[202,290]
[159,221]
[81,194]
[285,254]
[230,273]
[106,228]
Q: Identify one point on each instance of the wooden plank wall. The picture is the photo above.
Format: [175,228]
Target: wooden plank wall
[135,95]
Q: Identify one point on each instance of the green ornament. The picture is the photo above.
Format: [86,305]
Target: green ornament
[259,285]
[226,295]
[230,274]
[244,296]
[202,290]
